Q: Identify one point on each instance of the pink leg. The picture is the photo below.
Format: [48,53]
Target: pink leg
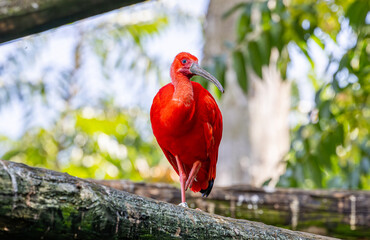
[182,175]
[193,173]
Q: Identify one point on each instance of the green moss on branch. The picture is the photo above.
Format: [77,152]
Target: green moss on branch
[39,203]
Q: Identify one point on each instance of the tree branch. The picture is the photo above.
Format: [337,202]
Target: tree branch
[39,203]
[19,18]
[341,213]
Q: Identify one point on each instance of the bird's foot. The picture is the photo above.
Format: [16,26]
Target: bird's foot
[184,204]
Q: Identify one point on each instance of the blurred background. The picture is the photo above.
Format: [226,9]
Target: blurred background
[296,106]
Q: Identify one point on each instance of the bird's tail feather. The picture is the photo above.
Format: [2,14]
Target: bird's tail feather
[207,191]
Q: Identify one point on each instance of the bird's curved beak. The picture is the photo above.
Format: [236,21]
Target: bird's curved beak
[197,70]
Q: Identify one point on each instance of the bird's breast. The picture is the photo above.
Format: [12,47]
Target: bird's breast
[177,118]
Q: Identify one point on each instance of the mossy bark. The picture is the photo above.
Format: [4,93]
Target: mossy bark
[38,203]
[339,213]
[19,18]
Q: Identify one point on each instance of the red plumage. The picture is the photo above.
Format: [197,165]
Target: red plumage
[187,124]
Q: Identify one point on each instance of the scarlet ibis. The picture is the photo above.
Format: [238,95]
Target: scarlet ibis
[187,124]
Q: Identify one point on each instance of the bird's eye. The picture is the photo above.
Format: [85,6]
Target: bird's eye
[183,61]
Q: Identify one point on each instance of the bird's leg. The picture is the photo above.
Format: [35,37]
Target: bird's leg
[193,173]
[182,176]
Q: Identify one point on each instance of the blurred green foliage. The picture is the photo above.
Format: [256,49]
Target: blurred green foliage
[87,135]
[266,25]
[91,137]
[333,149]
[103,144]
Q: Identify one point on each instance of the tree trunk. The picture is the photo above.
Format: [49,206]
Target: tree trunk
[20,18]
[40,203]
[340,213]
[256,132]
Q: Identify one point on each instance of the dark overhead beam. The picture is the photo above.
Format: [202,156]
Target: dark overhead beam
[19,18]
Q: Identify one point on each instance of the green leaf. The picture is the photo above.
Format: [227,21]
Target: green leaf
[242,26]
[324,110]
[255,58]
[318,41]
[303,46]
[240,70]
[264,45]
[8,155]
[318,97]
[277,35]
[313,165]
[364,56]
[356,13]
[283,61]
[234,9]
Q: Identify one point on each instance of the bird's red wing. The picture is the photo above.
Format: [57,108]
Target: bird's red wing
[210,118]
[212,131]
[171,159]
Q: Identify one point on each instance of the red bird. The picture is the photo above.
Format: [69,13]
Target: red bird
[187,124]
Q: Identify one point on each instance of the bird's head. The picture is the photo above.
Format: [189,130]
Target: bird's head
[187,65]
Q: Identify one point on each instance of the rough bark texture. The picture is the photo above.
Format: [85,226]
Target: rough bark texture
[42,204]
[339,213]
[19,18]
[256,131]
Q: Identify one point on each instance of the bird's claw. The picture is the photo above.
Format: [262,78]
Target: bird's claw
[184,204]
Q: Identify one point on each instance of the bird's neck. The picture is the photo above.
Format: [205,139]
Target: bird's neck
[183,90]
